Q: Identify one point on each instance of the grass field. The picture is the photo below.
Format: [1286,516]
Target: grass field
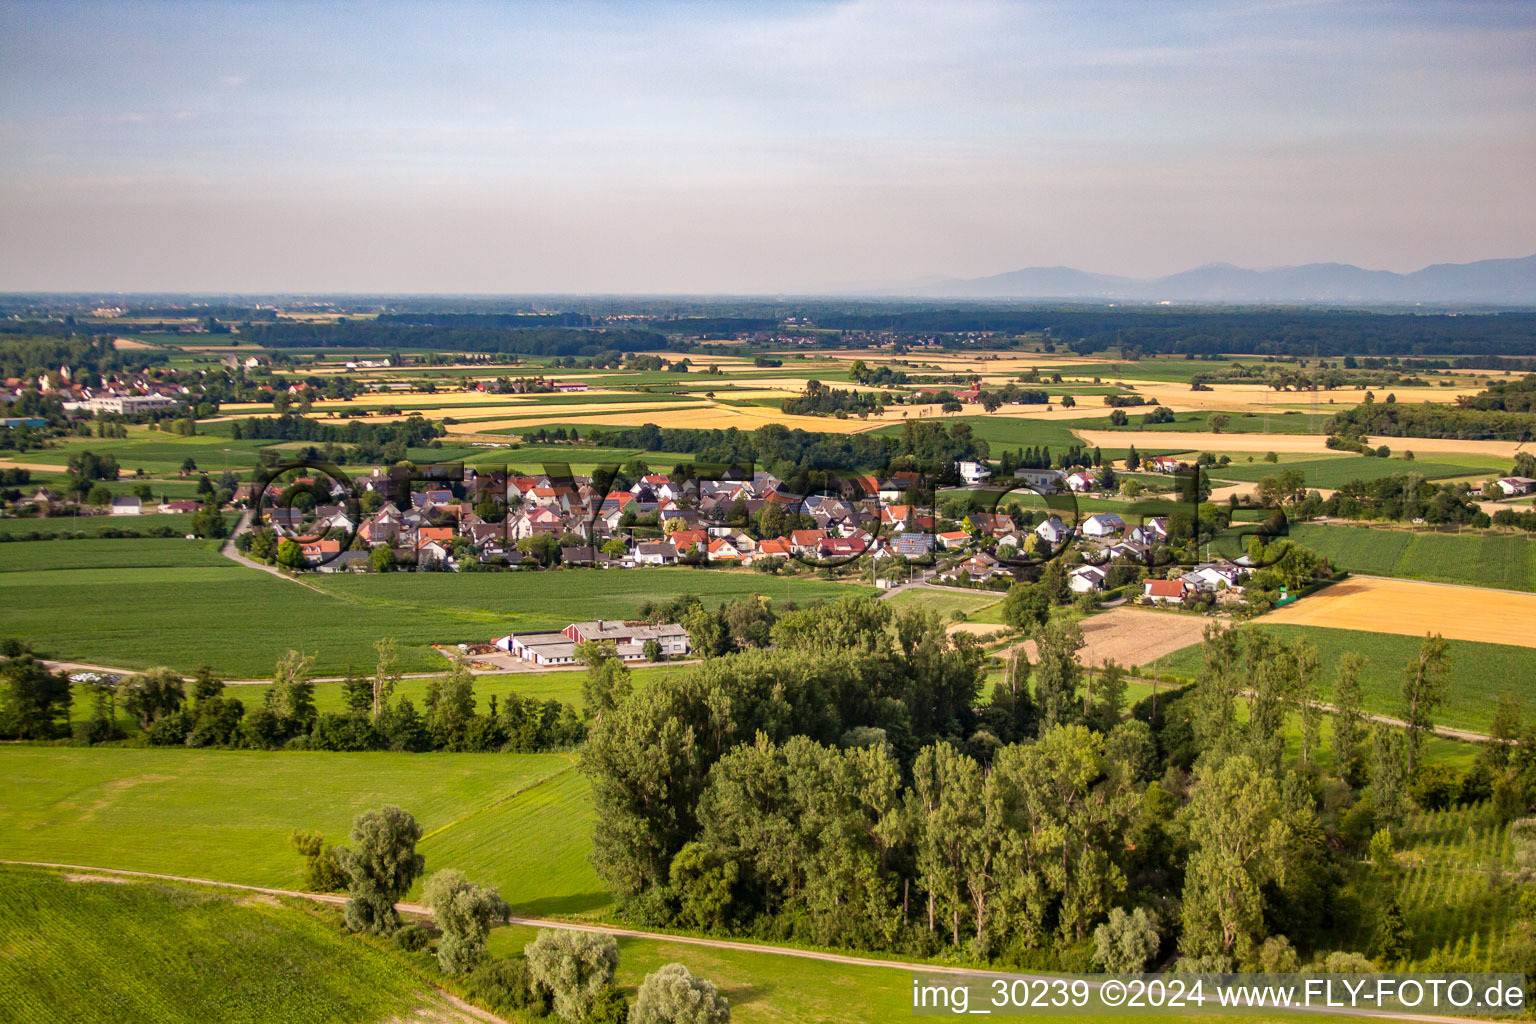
[94,950]
[1479,559]
[142,603]
[519,821]
[55,526]
[1479,672]
[1332,473]
[1277,422]
[944,602]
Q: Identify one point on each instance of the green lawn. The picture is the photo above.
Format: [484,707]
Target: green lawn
[519,821]
[1479,672]
[1477,558]
[97,951]
[1334,472]
[142,603]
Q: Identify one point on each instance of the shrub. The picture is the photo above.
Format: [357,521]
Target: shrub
[1124,943]
[1435,787]
[505,985]
[573,967]
[673,995]
[411,937]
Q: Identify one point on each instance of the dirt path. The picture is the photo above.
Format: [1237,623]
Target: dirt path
[630,933]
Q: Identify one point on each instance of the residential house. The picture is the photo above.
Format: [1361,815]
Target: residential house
[913,545]
[954,539]
[807,542]
[1085,578]
[1103,524]
[1082,481]
[1054,532]
[974,473]
[127,505]
[656,553]
[1513,485]
[1164,591]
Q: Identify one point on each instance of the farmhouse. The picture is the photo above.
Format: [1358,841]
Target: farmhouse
[629,640]
[1513,485]
[126,505]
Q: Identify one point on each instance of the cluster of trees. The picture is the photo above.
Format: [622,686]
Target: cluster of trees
[159,703]
[820,400]
[456,334]
[883,376]
[1298,377]
[1502,412]
[415,432]
[833,790]
[793,455]
[1404,497]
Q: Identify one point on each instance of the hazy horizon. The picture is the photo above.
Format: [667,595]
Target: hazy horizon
[748,149]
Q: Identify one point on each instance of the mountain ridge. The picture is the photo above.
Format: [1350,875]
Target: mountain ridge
[1509,282]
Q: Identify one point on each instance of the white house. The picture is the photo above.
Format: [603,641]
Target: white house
[658,553]
[1085,578]
[1104,524]
[127,505]
[974,473]
[1081,481]
[1053,531]
[1512,485]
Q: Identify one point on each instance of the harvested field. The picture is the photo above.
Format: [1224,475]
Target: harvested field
[1413,608]
[1134,636]
[1169,440]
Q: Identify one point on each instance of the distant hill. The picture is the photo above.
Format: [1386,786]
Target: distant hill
[1510,282]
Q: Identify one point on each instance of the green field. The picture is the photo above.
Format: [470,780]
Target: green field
[1479,672]
[93,950]
[1334,472]
[1277,422]
[1453,888]
[521,822]
[55,526]
[946,603]
[1475,558]
[176,603]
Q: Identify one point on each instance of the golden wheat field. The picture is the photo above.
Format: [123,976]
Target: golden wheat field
[1413,608]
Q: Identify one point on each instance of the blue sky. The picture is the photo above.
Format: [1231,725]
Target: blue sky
[707,147]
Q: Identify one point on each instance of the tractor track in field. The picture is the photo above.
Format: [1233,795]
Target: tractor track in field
[688,940]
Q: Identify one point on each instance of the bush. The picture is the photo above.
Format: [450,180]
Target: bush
[573,967]
[505,985]
[1124,943]
[464,912]
[673,995]
[1435,787]
[411,937]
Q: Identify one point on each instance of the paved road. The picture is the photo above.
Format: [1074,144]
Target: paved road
[687,940]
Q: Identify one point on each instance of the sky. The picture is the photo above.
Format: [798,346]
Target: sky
[736,147]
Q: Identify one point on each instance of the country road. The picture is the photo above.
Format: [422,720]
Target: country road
[844,959]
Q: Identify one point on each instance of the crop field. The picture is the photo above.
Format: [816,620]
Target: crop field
[90,948]
[1189,441]
[1332,473]
[1278,422]
[54,526]
[1452,887]
[1133,636]
[1477,559]
[226,815]
[1413,608]
[163,606]
[1479,672]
